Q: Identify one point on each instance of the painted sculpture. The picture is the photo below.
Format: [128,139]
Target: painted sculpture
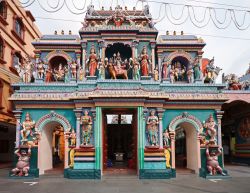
[86,122]
[23,163]
[59,73]
[40,69]
[210,132]
[197,69]
[172,74]
[92,62]
[166,138]
[152,129]
[136,69]
[48,74]
[27,131]
[212,162]
[211,72]
[72,138]
[165,71]
[73,69]
[144,58]
[190,75]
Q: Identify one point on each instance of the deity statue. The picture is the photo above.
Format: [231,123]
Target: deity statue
[48,74]
[166,138]
[172,74]
[190,75]
[92,62]
[27,70]
[101,69]
[156,74]
[152,128]
[165,71]
[233,82]
[144,62]
[197,69]
[118,21]
[210,127]
[27,125]
[59,73]
[211,72]
[86,122]
[73,68]
[81,73]
[66,74]
[40,69]
[136,69]
[23,163]
[72,138]
[212,162]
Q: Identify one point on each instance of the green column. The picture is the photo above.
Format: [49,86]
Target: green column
[141,138]
[98,138]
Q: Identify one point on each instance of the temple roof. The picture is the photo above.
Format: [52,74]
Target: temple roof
[59,37]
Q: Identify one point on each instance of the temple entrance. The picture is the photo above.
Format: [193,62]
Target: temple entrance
[120,141]
[51,149]
[186,147]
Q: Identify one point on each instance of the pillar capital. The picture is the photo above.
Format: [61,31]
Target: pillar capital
[153,44]
[84,44]
[78,112]
[93,111]
[18,113]
[160,112]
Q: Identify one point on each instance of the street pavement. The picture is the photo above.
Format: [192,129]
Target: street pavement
[184,183]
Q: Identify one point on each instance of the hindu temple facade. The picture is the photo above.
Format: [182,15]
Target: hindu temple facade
[119,96]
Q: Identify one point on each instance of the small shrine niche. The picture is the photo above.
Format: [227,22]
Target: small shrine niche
[180,66]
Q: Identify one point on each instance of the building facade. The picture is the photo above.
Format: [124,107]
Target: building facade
[17,31]
[120,96]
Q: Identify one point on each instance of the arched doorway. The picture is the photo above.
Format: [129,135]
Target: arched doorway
[52,127]
[51,148]
[186,146]
[124,50]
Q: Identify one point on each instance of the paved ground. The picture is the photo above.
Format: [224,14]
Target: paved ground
[189,183]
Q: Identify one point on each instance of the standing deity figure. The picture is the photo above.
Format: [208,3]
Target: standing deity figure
[73,69]
[210,127]
[66,74]
[152,128]
[166,138]
[165,71]
[48,74]
[156,74]
[190,75]
[92,62]
[40,69]
[23,163]
[27,125]
[172,74]
[72,138]
[212,162]
[101,70]
[27,70]
[81,73]
[197,69]
[144,62]
[86,122]
[136,69]
[211,72]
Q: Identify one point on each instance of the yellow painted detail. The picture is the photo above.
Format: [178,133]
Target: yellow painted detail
[71,157]
[167,156]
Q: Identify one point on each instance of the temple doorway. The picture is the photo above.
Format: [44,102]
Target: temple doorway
[51,149]
[186,147]
[120,141]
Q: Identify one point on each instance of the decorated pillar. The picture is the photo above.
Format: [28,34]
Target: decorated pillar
[37,58]
[84,55]
[219,115]
[198,150]
[160,67]
[66,150]
[18,115]
[160,114]
[141,114]
[97,116]
[78,112]
[172,137]
[153,56]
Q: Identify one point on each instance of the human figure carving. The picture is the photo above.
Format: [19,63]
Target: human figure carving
[152,128]
[210,129]
[27,125]
[144,62]
[73,68]
[86,122]
[92,62]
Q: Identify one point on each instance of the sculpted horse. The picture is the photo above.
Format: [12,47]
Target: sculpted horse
[115,71]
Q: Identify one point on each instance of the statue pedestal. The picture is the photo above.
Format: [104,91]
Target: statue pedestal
[145,77]
[72,80]
[91,77]
[166,80]
[198,81]
[39,80]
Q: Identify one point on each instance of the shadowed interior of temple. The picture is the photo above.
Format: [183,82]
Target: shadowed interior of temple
[124,50]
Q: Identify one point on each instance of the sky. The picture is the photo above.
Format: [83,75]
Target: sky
[232,55]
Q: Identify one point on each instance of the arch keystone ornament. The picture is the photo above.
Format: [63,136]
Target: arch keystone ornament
[52,116]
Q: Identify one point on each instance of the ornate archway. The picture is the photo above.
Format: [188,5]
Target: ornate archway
[193,127]
[52,117]
[179,53]
[185,117]
[61,53]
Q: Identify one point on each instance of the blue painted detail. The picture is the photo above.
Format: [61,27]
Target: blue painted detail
[154,165]
[84,165]
[157,174]
[82,174]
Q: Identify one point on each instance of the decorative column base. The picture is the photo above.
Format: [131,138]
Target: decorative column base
[91,77]
[39,80]
[145,77]
[198,81]
[166,81]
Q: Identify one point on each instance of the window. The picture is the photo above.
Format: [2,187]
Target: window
[1,93]
[17,60]
[3,9]
[1,48]
[112,119]
[19,28]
